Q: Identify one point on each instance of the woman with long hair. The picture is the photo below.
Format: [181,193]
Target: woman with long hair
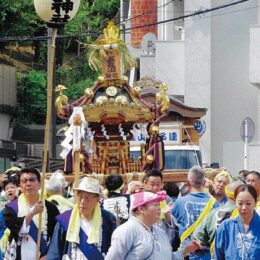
[239,238]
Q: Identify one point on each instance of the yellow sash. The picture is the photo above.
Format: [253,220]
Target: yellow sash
[203,214]
[234,214]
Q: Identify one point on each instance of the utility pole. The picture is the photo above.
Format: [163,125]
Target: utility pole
[52,129]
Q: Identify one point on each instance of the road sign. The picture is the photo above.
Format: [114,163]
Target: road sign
[247,130]
[247,133]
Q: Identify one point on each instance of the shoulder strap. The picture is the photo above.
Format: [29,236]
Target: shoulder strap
[234,214]
[203,214]
[90,251]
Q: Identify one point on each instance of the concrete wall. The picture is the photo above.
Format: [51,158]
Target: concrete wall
[147,66]
[198,67]
[5,129]
[169,65]
[7,85]
[233,97]
[7,99]
[253,157]
[254,65]
[254,58]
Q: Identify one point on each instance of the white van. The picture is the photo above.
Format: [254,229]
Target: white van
[176,157]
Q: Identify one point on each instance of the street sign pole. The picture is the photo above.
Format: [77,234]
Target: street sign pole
[247,133]
[246,146]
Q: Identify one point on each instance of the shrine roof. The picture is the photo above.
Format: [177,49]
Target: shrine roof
[176,106]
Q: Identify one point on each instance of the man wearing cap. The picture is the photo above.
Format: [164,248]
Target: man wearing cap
[85,231]
[55,188]
[139,238]
[22,217]
[220,181]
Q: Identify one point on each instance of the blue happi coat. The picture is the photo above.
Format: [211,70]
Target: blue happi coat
[231,242]
[186,211]
[60,247]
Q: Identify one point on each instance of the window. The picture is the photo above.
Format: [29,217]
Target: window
[4,164]
[182,159]
[135,155]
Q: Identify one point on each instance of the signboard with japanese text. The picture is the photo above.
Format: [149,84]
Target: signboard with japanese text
[111,65]
[170,136]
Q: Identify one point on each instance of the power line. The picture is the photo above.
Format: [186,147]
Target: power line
[92,33]
[199,12]
[134,17]
[148,12]
[88,33]
[228,12]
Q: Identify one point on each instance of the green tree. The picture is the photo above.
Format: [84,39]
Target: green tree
[91,18]
[18,18]
[31,96]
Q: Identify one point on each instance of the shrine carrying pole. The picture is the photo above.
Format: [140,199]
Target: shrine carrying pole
[55,15]
[76,150]
[46,131]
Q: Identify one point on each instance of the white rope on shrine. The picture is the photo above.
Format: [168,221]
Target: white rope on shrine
[104,131]
[121,131]
[74,133]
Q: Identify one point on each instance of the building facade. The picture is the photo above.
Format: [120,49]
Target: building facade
[210,60]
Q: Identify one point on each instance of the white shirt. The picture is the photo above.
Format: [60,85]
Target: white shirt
[85,225]
[28,246]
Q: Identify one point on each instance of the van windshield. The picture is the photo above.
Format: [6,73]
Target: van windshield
[135,155]
[182,159]
[177,159]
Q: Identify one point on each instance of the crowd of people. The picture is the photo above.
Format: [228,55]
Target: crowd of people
[199,219]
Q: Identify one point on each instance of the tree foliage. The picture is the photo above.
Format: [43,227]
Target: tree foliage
[18,18]
[31,96]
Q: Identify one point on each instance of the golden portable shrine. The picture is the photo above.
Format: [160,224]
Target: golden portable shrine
[105,119]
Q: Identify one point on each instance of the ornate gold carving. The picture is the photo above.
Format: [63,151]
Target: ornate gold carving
[149,158]
[111,91]
[154,130]
[110,43]
[61,100]
[121,99]
[147,82]
[136,91]
[111,34]
[162,98]
[89,93]
[101,100]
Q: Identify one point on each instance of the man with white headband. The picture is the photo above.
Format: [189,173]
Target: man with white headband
[117,202]
[139,238]
[220,181]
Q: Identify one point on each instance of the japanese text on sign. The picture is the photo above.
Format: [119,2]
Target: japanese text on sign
[58,6]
